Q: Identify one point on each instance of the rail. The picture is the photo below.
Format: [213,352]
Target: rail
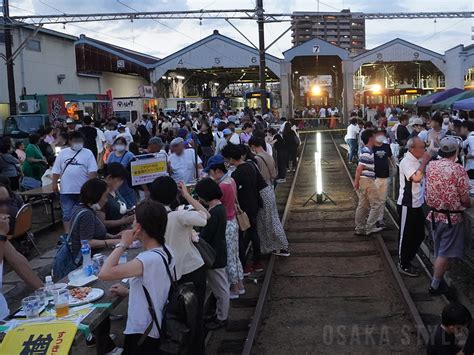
[257,316]
[391,265]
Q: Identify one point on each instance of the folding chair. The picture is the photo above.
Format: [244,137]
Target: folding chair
[23,224]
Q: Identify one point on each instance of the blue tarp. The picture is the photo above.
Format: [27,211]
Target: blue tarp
[438,97]
[465,105]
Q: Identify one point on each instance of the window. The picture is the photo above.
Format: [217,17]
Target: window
[34,45]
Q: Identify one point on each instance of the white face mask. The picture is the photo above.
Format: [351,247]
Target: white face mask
[96,207]
[446,120]
[77,146]
[380,139]
[119,147]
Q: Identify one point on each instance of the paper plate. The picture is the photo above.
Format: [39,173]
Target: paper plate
[94,295]
[83,281]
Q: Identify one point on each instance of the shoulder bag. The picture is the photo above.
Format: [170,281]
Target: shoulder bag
[64,261]
[242,218]
[208,254]
[179,315]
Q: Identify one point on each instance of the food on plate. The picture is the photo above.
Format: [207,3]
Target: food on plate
[80,292]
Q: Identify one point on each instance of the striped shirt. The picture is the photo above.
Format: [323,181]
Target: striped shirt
[366,159]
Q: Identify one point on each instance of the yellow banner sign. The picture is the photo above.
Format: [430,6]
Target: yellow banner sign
[145,171]
[54,338]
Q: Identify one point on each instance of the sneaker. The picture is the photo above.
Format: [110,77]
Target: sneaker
[359,232]
[443,289]
[234,295]
[408,270]
[281,252]
[116,351]
[375,230]
[242,292]
[281,181]
[248,270]
[257,266]
[216,324]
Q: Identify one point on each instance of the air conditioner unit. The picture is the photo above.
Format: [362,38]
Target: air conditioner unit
[28,106]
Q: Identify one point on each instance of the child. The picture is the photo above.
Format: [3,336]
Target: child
[47,178]
[454,319]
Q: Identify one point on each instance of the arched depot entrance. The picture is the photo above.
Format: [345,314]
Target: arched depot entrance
[315,73]
[214,72]
[394,73]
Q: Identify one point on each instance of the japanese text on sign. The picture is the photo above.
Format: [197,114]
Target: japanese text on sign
[40,339]
[146,171]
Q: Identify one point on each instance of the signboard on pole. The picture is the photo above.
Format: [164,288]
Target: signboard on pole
[145,171]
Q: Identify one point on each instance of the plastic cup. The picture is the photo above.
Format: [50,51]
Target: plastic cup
[31,306]
[61,303]
[40,293]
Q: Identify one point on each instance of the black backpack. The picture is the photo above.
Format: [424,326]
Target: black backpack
[179,315]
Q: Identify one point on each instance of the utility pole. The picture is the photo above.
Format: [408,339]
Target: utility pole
[9,57]
[261,49]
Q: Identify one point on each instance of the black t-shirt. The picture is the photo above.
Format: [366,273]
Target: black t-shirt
[206,139]
[402,134]
[214,234]
[442,343]
[381,156]
[245,176]
[90,135]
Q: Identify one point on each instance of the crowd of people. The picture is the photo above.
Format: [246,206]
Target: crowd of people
[433,156]
[219,187]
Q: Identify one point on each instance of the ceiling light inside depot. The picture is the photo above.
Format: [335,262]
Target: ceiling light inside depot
[376,88]
[316,90]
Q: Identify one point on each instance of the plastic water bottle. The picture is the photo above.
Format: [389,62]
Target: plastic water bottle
[87,266]
[48,293]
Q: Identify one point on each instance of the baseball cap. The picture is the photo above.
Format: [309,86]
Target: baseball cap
[416,121]
[155,140]
[213,161]
[176,141]
[226,132]
[448,144]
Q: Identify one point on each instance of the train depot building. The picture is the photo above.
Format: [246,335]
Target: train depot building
[218,70]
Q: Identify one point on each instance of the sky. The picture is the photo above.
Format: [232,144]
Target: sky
[164,37]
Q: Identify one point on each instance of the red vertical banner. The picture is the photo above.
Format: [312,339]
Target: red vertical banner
[56,109]
[105,108]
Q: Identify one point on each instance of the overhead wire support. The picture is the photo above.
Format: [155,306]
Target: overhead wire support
[234,14]
[240,14]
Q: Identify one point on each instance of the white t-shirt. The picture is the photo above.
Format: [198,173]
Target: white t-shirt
[352,131]
[322,112]
[221,143]
[234,138]
[99,140]
[182,166]
[4,311]
[77,172]
[156,280]
[269,148]
[469,144]
[411,193]
[179,230]
[110,136]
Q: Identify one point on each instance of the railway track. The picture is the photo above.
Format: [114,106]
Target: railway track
[337,293]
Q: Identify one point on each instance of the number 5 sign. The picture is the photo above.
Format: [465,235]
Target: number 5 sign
[316,49]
